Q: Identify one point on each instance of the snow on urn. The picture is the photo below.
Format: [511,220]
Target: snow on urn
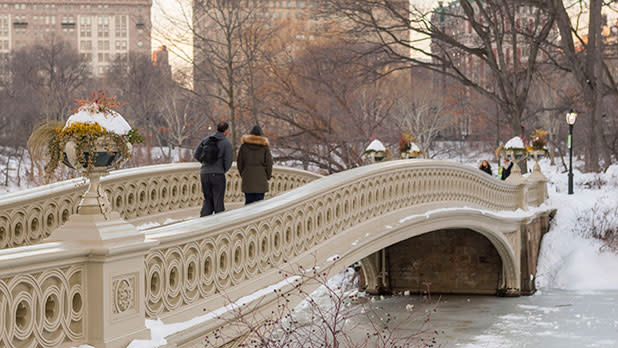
[515,151]
[94,139]
[99,137]
[376,151]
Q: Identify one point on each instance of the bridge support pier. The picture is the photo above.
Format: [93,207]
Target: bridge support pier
[531,235]
[375,273]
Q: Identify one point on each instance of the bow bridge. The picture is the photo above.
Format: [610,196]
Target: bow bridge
[97,277]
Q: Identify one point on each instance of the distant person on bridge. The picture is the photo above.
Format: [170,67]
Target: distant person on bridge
[506,170]
[486,167]
[215,154]
[255,165]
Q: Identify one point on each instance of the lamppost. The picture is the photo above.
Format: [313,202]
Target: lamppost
[570,118]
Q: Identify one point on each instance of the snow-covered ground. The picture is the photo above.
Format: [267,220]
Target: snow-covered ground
[570,258]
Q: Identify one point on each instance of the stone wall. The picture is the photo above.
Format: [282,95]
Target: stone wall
[531,236]
[447,261]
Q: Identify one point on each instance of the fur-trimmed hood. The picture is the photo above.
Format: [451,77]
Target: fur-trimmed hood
[254,139]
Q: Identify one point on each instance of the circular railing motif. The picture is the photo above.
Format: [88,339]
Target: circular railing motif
[44,309]
[29,216]
[229,254]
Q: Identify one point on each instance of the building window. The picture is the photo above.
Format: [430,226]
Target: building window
[140,44]
[120,26]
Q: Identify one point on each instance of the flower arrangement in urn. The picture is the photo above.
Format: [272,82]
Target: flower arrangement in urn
[95,136]
[375,151]
[407,147]
[538,140]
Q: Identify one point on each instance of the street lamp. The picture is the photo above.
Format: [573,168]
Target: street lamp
[570,118]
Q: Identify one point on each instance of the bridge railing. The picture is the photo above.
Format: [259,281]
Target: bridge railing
[138,194]
[53,293]
[197,259]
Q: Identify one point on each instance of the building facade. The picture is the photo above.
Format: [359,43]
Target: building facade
[450,19]
[99,30]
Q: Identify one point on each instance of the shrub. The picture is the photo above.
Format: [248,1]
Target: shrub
[327,317]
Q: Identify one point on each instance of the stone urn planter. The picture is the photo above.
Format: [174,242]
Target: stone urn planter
[411,151]
[515,151]
[92,140]
[106,155]
[375,152]
[536,155]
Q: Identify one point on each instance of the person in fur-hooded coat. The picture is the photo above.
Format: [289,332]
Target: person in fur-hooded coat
[255,164]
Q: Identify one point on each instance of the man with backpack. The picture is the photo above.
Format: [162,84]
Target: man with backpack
[215,154]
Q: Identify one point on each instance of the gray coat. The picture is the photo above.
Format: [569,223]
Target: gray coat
[224,161]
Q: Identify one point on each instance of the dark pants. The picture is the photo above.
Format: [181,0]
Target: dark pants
[213,187]
[253,197]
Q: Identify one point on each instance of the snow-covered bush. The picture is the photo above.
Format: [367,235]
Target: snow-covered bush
[600,222]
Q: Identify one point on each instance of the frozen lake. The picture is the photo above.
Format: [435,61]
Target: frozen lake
[549,319]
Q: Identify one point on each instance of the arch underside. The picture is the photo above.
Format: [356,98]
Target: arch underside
[373,237]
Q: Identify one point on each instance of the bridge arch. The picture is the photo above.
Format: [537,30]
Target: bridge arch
[362,241]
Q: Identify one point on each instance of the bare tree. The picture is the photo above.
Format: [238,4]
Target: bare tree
[467,36]
[59,73]
[41,82]
[584,58]
[420,113]
[227,42]
[326,107]
[179,118]
[135,82]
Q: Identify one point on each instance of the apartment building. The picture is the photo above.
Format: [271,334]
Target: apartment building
[99,29]
[450,19]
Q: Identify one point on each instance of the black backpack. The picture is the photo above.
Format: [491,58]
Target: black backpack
[210,150]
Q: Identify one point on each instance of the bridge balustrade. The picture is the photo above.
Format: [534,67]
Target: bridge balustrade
[192,265]
[43,288]
[139,194]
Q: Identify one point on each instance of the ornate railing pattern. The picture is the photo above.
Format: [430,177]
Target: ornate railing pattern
[27,217]
[44,308]
[195,259]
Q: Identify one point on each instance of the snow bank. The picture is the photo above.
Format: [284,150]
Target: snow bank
[569,258]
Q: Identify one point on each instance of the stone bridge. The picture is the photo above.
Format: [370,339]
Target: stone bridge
[410,223]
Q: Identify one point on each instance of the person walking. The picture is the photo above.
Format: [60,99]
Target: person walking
[215,154]
[506,171]
[486,167]
[255,164]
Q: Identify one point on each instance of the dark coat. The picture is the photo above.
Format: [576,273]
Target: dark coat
[255,163]
[486,169]
[224,160]
[507,171]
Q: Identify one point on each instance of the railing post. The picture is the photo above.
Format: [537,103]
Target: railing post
[537,178]
[115,279]
[517,179]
